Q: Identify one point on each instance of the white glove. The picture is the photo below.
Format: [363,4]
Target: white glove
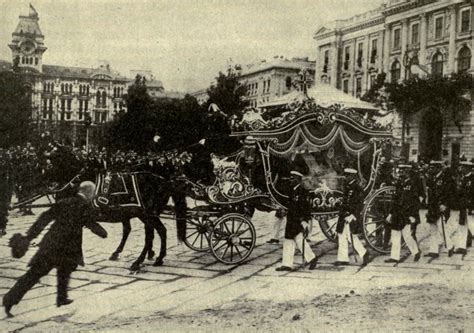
[412,219]
[389,218]
[305,225]
[442,208]
[350,218]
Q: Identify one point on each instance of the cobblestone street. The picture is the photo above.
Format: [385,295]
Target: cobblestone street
[107,296]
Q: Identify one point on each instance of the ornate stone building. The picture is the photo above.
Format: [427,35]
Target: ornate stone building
[64,97]
[439,33]
[269,80]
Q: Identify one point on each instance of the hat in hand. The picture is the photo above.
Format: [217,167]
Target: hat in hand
[19,245]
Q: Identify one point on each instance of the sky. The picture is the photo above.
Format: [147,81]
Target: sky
[185,43]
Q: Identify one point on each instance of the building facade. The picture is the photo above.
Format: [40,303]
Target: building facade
[67,100]
[438,33]
[269,80]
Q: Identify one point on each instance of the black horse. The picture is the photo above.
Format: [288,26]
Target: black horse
[143,194]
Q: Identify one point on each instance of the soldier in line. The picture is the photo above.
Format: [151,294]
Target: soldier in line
[418,194]
[61,246]
[297,223]
[465,201]
[349,224]
[441,187]
[403,215]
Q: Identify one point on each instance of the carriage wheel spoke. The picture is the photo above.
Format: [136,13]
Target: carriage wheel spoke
[189,236]
[194,242]
[226,228]
[216,249]
[375,230]
[240,225]
[231,252]
[238,251]
[225,251]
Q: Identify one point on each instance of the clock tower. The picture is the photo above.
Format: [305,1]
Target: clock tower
[28,43]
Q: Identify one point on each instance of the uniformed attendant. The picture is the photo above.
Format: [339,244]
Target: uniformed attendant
[402,215]
[465,200]
[349,224]
[61,246]
[297,223]
[441,188]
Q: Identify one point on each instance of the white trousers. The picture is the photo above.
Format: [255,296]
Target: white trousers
[396,239]
[461,232]
[437,236]
[343,241]
[289,250]
[277,227]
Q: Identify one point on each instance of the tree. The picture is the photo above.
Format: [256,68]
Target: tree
[375,95]
[228,93]
[135,128]
[439,99]
[15,109]
[445,94]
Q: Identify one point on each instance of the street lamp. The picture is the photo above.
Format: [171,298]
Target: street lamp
[87,124]
[408,61]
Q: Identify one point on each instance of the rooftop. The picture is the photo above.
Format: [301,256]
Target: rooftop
[278,62]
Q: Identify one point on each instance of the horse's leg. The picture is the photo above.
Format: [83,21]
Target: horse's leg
[126,231]
[161,229]
[149,229]
[148,244]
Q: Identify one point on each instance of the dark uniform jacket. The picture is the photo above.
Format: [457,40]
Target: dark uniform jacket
[405,203]
[352,204]
[441,190]
[62,244]
[299,210]
[465,196]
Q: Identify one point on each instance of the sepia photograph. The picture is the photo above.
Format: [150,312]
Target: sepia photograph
[236,165]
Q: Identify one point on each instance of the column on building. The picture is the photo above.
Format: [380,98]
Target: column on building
[333,53]
[404,42]
[366,61]
[353,65]
[386,49]
[452,40]
[423,38]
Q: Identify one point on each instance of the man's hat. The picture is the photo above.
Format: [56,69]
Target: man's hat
[296,173]
[350,171]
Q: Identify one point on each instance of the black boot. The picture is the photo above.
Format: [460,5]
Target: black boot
[63,301]
[8,308]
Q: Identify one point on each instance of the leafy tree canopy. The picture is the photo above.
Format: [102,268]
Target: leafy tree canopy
[228,93]
[446,94]
[15,109]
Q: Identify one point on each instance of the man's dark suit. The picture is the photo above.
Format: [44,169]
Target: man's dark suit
[60,248]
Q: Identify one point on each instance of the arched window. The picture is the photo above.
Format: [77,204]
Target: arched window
[52,87]
[104,99]
[87,90]
[437,64]
[395,71]
[62,87]
[70,88]
[97,99]
[464,59]
[36,61]
[288,82]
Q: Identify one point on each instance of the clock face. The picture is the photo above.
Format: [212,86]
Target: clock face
[27,47]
